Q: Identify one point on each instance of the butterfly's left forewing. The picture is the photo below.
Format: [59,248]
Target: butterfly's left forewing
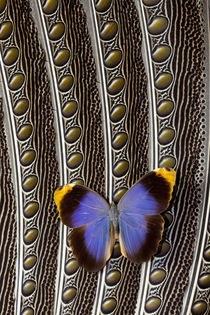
[140,222]
[92,237]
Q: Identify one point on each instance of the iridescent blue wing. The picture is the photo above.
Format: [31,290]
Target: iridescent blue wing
[140,222]
[92,237]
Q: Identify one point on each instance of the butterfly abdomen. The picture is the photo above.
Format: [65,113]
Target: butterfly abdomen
[114,218]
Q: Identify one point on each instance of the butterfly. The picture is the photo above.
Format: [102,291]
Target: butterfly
[135,220]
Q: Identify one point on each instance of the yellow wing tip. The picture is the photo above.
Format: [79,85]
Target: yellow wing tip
[168,174]
[61,192]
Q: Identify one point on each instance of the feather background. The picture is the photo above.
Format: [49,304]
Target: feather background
[99,92]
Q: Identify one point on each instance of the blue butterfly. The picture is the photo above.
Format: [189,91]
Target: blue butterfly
[135,220]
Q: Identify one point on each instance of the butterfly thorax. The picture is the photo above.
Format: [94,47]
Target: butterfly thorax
[113,214]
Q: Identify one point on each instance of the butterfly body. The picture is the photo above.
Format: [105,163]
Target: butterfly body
[114,218]
[135,220]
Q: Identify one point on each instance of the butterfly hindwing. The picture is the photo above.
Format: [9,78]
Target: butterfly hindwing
[84,210]
[140,222]
[138,243]
[92,244]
